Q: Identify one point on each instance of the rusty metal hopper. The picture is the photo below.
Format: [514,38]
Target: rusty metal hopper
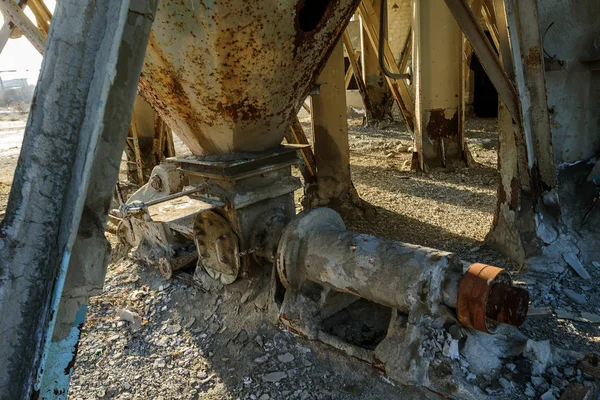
[230,75]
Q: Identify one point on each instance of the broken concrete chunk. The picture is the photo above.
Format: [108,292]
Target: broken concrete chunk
[576,297]
[545,230]
[274,376]
[540,355]
[577,391]
[127,315]
[593,318]
[286,358]
[573,261]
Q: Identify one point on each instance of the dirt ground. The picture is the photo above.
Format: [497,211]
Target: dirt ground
[192,344]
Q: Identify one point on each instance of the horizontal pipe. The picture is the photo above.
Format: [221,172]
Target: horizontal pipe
[316,247]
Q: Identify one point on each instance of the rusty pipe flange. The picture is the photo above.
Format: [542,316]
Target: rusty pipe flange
[486,297]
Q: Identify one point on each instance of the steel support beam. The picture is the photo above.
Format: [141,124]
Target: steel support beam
[486,54]
[53,253]
[8,27]
[362,88]
[437,57]
[376,87]
[15,13]
[399,88]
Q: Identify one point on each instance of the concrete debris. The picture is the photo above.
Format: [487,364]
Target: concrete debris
[261,359]
[286,358]
[583,317]
[573,261]
[545,230]
[589,317]
[576,297]
[127,315]
[172,329]
[539,312]
[577,391]
[529,391]
[274,376]
[549,395]
[540,355]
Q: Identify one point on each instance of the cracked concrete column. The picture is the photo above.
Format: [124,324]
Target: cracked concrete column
[330,130]
[436,71]
[53,252]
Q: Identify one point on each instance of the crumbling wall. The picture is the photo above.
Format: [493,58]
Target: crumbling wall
[572,89]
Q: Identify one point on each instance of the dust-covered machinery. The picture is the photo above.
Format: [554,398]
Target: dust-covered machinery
[231,93]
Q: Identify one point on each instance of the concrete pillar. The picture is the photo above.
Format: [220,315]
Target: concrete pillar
[377,88]
[436,71]
[53,253]
[330,130]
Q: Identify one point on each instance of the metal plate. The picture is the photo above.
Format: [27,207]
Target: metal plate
[180,208]
[218,248]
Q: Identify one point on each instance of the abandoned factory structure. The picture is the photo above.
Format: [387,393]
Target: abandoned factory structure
[129,82]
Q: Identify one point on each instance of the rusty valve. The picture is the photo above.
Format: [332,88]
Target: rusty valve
[487,297]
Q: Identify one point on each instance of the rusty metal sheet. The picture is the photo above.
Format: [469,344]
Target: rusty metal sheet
[180,208]
[230,75]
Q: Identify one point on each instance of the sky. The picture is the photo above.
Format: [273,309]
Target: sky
[20,56]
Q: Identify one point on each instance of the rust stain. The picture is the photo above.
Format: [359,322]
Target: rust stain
[378,364]
[238,68]
[514,193]
[486,294]
[441,127]
[533,57]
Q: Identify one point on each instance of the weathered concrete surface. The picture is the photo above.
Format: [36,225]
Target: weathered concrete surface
[436,69]
[330,129]
[80,109]
[573,90]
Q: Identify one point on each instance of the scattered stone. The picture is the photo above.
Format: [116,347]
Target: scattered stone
[274,376]
[573,261]
[261,359]
[127,386]
[576,297]
[511,367]
[391,154]
[537,381]
[265,396]
[539,312]
[160,363]
[529,391]
[402,148]
[286,358]
[549,395]
[172,329]
[540,354]
[593,318]
[189,323]
[247,380]
[127,315]
[576,391]
[596,264]
[505,383]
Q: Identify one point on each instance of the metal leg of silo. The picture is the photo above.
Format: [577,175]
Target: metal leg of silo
[52,247]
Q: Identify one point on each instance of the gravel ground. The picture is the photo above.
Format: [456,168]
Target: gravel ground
[148,338]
